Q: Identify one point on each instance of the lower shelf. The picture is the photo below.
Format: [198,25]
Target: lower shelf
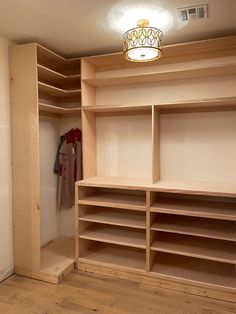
[57,257]
[115,235]
[115,255]
[192,269]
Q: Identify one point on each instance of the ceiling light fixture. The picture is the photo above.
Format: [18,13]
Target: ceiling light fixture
[142,43]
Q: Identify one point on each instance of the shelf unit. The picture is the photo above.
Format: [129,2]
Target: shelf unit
[132,125]
[59,85]
[42,83]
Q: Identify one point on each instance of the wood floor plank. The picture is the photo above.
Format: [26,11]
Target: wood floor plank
[85,293]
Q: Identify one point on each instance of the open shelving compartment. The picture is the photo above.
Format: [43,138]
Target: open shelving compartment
[59,102]
[168,129]
[59,86]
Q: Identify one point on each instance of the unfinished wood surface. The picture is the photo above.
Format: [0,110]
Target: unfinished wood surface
[197,208]
[58,257]
[207,228]
[115,217]
[165,75]
[52,91]
[25,157]
[215,250]
[115,235]
[58,110]
[116,255]
[85,293]
[197,50]
[185,187]
[117,200]
[155,145]
[90,149]
[193,269]
[56,62]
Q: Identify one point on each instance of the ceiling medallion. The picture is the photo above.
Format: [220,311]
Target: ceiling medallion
[142,43]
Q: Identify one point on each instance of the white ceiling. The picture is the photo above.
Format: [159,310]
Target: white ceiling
[85,27]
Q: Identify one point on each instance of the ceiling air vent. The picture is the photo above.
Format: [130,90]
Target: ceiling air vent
[192,13]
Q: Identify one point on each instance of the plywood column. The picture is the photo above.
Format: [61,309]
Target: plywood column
[25,158]
[155,144]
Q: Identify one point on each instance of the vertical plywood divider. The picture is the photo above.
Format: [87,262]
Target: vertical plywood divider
[155,144]
[148,240]
[88,92]
[25,157]
[90,146]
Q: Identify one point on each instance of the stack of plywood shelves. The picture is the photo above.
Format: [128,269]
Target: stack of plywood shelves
[158,199]
[42,84]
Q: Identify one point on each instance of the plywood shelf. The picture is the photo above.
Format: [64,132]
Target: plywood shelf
[195,208]
[184,187]
[58,257]
[211,104]
[215,250]
[115,217]
[115,235]
[116,255]
[58,110]
[54,61]
[53,91]
[192,71]
[207,228]
[115,200]
[194,271]
[50,76]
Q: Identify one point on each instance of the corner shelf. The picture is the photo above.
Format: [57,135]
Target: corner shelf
[50,76]
[53,91]
[57,109]
[121,236]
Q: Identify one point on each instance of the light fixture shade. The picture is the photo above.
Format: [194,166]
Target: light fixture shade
[143,43]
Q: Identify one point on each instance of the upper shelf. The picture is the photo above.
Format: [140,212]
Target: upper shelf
[53,91]
[223,103]
[55,62]
[50,76]
[192,71]
[58,110]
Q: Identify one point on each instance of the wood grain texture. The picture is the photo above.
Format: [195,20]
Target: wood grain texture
[85,294]
[25,157]
[210,48]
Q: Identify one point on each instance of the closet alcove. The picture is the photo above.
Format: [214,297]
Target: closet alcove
[46,103]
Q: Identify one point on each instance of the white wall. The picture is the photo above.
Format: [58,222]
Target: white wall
[54,222]
[6,232]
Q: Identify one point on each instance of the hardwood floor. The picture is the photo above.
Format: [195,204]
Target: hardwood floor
[85,294]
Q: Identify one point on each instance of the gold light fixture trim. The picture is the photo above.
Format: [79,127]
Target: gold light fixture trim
[142,43]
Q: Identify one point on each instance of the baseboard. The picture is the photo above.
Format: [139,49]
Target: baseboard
[6,272]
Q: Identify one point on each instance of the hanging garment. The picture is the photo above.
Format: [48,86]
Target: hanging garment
[70,167]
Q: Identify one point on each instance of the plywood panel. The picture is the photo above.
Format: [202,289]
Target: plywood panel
[199,147]
[163,92]
[124,146]
[25,157]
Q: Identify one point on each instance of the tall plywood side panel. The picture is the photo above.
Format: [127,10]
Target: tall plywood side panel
[88,92]
[155,145]
[90,146]
[25,157]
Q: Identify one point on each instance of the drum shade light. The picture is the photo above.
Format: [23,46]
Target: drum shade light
[142,43]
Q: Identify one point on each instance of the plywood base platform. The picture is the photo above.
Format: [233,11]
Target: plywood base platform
[159,281]
[57,261]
